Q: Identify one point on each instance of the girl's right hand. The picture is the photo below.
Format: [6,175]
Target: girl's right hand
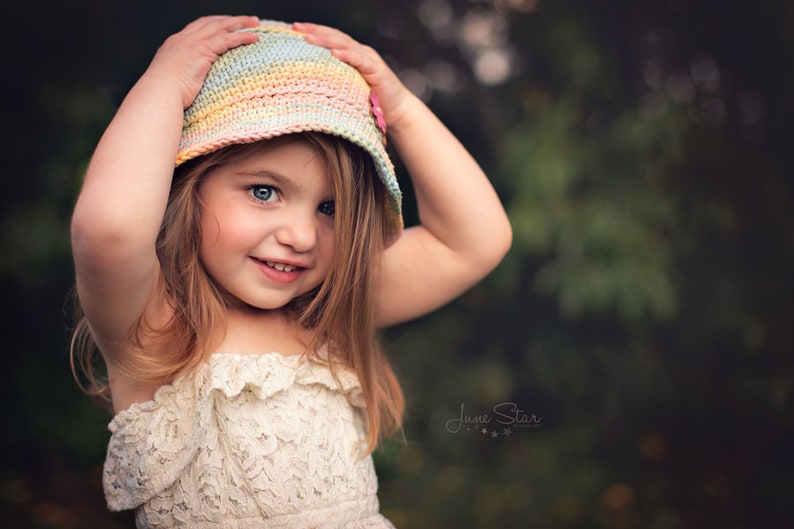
[185,57]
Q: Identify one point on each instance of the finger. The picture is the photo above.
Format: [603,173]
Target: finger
[325,36]
[355,59]
[311,27]
[227,41]
[362,57]
[221,33]
[221,23]
[239,22]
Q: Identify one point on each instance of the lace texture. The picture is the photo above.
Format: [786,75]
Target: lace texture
[247,441]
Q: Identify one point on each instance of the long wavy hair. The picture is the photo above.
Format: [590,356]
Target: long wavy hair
[340,312]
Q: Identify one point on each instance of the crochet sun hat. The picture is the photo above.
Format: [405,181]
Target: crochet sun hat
[281,85]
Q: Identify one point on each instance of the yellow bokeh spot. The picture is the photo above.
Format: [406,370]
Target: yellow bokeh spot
[450,479]
[411,460]
[618,496]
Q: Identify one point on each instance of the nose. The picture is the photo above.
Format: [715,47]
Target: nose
[299,231]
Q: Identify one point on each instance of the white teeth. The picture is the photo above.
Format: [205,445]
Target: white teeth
[281,267]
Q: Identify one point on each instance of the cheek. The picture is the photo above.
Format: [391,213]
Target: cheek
[325,261]
[219,241]
[327,248]
[229,236]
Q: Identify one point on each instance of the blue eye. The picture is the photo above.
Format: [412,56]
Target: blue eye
[263,193]
[327,208]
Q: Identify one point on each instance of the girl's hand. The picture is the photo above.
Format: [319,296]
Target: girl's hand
[464,237]
[185,57]
[393,95]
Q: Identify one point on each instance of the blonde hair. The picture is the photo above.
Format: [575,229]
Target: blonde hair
[340,312]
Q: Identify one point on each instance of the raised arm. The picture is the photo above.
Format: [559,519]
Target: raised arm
[122,202]
[464,231]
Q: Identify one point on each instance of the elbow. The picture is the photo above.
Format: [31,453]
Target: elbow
[501,241]
[492,247]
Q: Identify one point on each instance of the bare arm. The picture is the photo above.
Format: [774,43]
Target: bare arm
[464,231]
[122,202]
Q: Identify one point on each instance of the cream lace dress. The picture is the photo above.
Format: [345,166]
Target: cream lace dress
[246,441]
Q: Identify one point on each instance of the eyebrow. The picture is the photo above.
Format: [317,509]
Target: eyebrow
[280,179]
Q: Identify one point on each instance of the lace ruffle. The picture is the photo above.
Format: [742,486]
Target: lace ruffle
[254,440]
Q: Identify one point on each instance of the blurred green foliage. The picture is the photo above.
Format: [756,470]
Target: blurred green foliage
[636,344]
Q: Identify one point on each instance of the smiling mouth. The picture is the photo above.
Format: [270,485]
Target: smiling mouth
[281,267]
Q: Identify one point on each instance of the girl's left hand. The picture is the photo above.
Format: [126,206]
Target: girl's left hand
[393,95]
[463,243]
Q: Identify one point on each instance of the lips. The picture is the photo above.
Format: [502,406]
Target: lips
[281,267]
[278,271]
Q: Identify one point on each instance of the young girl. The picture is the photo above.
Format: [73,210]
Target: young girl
[235,299]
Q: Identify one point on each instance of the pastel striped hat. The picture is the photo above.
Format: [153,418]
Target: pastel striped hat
[281,85]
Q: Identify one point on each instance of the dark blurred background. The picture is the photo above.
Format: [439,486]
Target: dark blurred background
[633,353]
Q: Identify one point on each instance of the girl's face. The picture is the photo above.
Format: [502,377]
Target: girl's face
[267,224]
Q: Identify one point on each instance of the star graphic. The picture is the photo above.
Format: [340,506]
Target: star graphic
[484,431]
[508,432]
[494,434]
